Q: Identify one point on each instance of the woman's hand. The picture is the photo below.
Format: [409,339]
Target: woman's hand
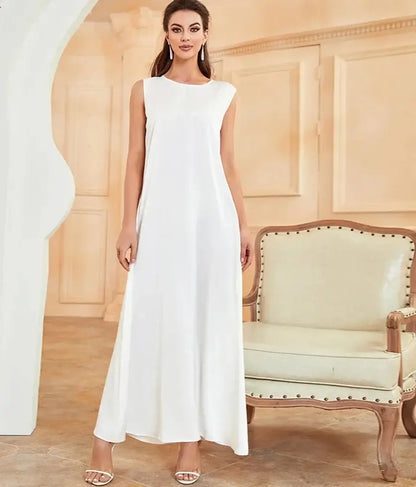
[127,240]
[247,248]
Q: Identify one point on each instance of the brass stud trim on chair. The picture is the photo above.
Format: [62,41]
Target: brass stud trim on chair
[271,396]
[349,397]
[284,396]
[298,395]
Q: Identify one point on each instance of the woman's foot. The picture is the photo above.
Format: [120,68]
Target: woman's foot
[101,459]
[189,459]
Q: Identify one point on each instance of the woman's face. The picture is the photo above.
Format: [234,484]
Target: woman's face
[185,33]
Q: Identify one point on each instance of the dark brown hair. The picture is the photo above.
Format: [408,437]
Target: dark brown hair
[162,62]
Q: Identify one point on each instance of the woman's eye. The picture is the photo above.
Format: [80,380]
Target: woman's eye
[193,29]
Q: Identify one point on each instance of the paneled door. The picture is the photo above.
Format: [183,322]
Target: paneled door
[276,133]
[86,124]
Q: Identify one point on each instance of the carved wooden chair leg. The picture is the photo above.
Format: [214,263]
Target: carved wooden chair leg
[409,416]
[388,418]
[250,413]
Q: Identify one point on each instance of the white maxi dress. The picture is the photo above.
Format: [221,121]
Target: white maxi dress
[177,372]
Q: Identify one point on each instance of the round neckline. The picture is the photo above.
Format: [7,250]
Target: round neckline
[187,84]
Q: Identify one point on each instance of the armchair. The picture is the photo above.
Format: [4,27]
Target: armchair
[333,323]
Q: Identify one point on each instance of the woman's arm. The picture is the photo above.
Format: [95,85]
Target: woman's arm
[233,179]
[136,155]
[134,176]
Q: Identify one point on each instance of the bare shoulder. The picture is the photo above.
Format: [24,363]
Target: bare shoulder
[137,90]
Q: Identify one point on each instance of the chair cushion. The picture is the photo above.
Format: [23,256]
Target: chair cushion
[325,356]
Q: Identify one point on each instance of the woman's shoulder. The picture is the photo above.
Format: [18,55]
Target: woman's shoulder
[138,84]
[226,88]
[225,84]
[142,85]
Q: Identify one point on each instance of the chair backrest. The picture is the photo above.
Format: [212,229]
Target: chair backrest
[333,274]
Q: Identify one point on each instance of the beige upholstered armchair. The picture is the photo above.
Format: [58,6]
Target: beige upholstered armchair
[333,323]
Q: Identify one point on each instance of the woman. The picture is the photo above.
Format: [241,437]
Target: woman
[177,373]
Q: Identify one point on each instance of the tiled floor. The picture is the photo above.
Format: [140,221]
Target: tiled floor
[288,447]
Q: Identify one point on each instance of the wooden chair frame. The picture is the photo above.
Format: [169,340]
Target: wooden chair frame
[388,416]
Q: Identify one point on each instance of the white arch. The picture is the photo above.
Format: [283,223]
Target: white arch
[36,191]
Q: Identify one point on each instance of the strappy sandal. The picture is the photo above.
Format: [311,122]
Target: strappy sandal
[187,482]
[102,472]
[99,482]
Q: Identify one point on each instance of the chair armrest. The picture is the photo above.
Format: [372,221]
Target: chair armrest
[395,322]
[407,312]
[402,319]
[250,300]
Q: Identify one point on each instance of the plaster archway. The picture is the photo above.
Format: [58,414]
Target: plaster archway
[36,192]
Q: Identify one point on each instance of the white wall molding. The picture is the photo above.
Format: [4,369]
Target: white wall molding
[317,36]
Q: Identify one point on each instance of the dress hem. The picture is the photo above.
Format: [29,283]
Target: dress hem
[155,440]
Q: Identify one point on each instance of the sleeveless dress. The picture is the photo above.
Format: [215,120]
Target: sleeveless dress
[177,372]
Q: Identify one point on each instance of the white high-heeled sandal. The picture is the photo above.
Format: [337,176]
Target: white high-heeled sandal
[99,482]
[102,472]
[187,482]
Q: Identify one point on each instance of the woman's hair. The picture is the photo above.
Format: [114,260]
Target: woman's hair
[162,62]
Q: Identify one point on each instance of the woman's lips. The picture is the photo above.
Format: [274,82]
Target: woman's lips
[185,48]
